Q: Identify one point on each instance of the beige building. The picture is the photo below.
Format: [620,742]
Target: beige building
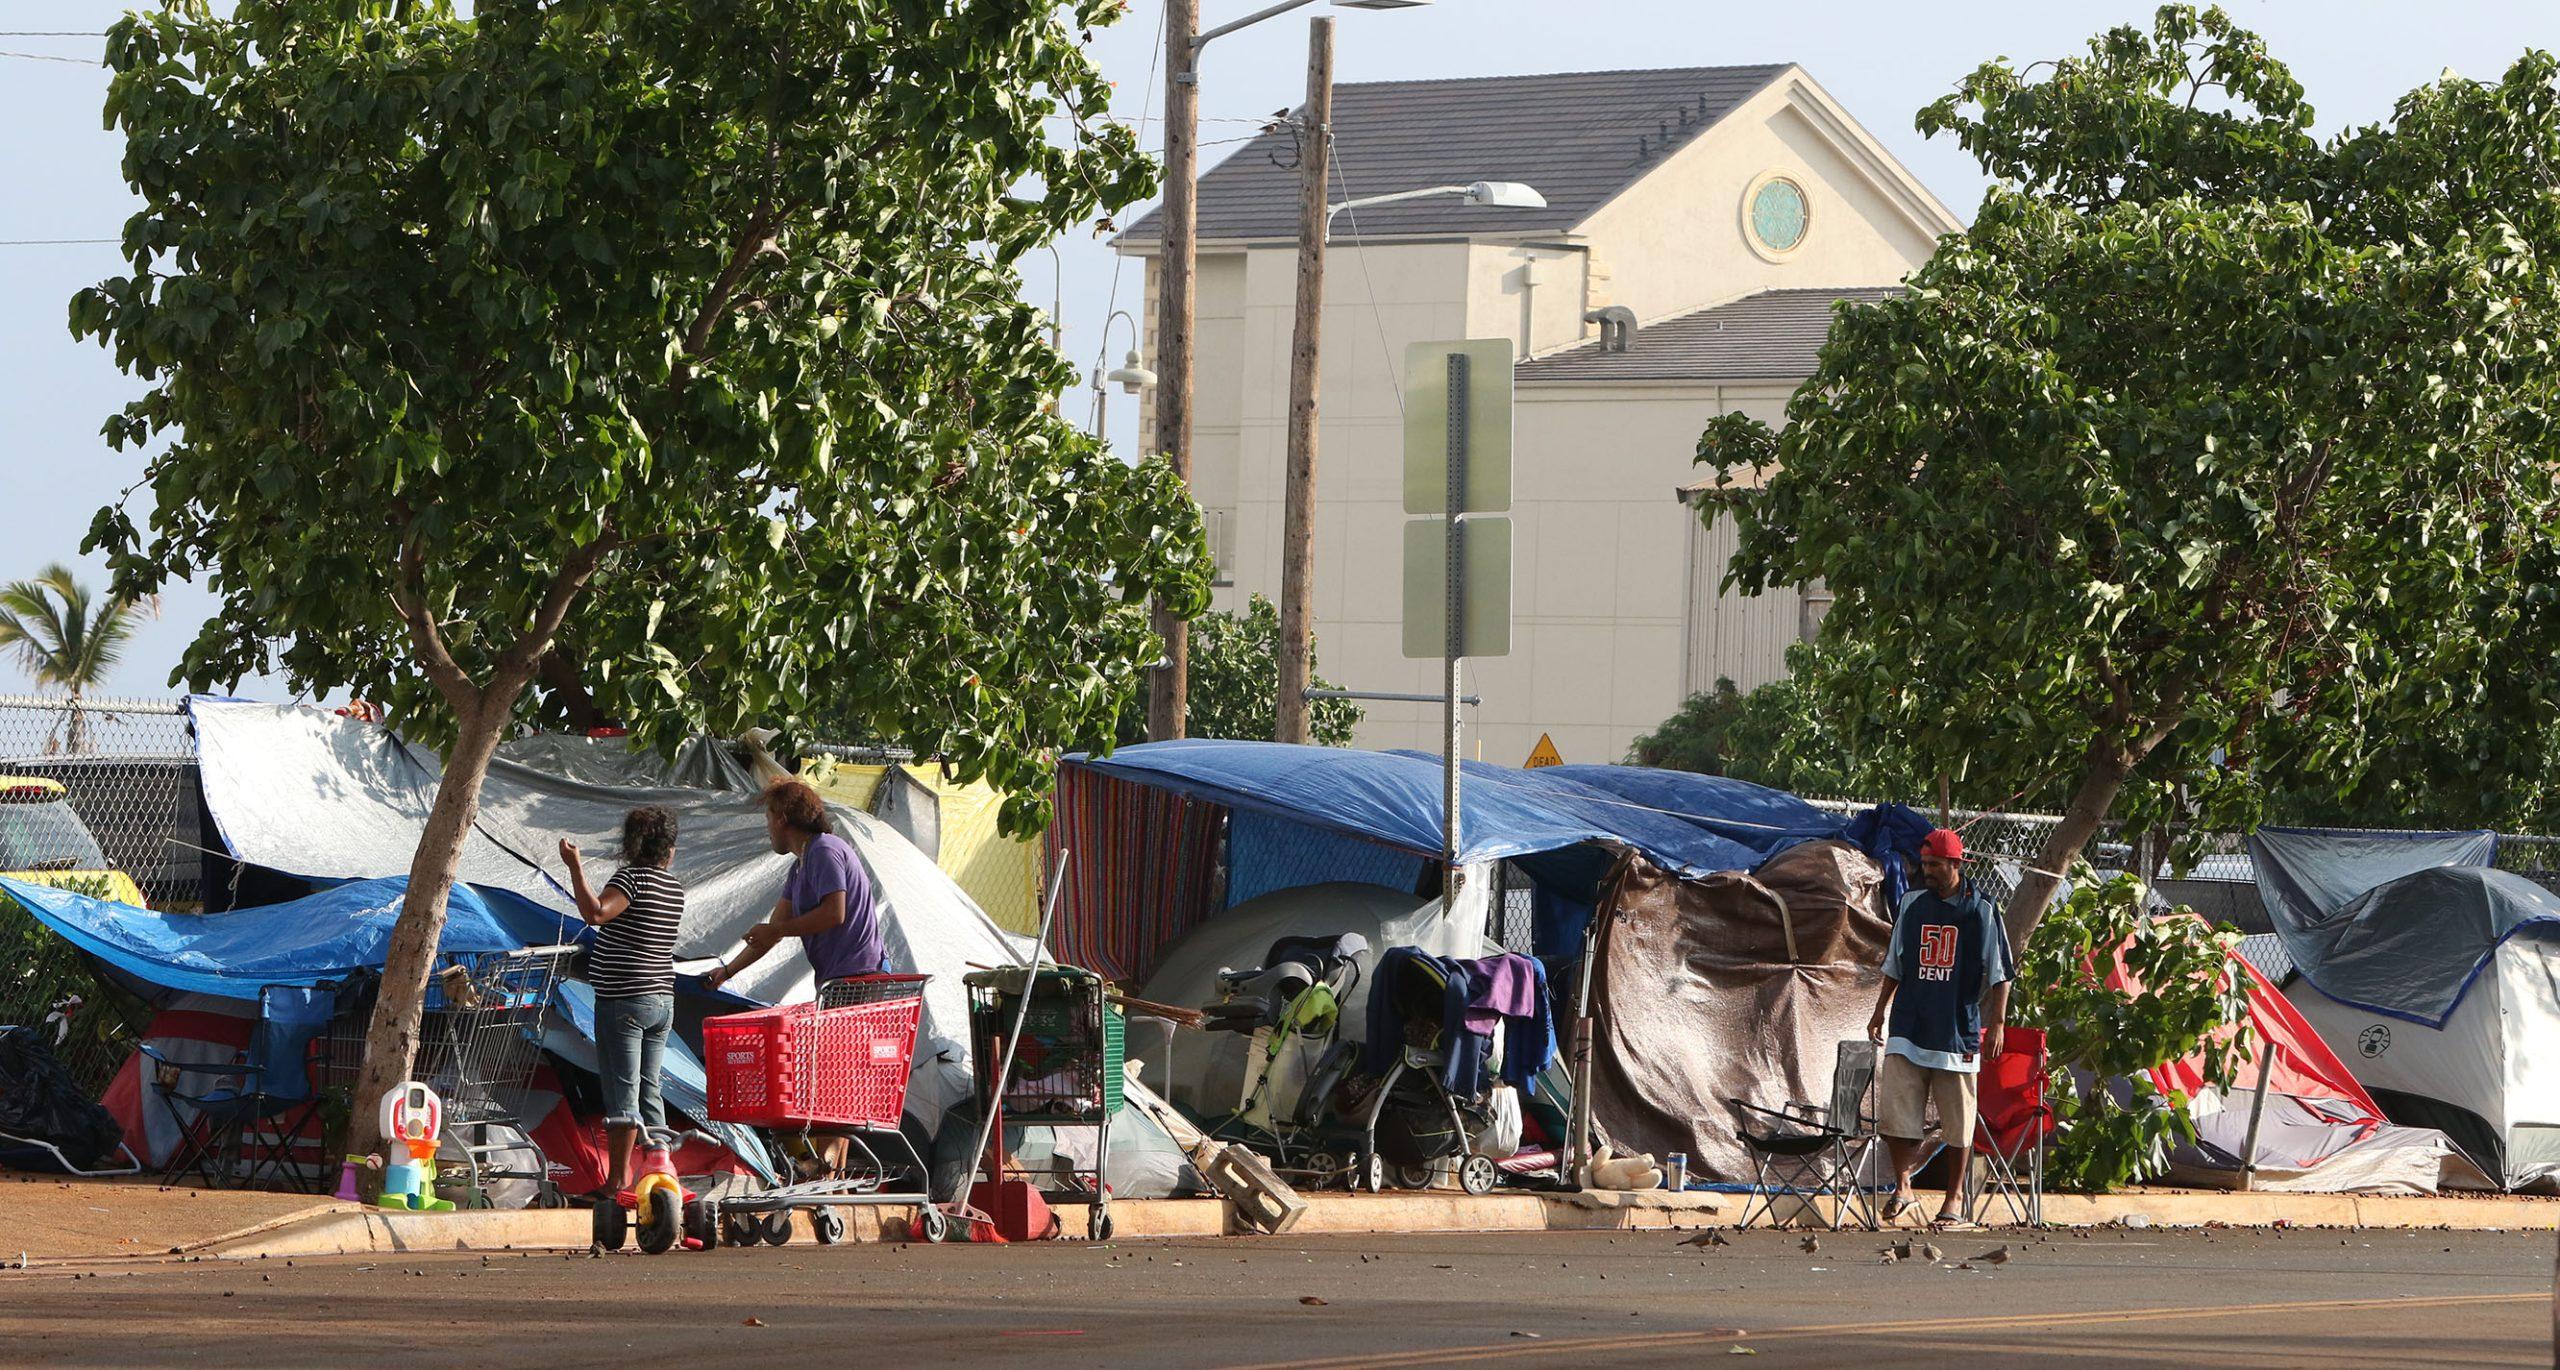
[1726,209]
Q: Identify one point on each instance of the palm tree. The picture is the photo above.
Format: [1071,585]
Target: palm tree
[62,642]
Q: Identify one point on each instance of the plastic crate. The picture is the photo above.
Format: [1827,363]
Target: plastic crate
[802,1065]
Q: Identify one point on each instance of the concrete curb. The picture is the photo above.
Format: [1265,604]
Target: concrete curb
[338,1230]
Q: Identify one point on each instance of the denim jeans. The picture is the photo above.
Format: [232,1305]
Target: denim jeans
[631,1038]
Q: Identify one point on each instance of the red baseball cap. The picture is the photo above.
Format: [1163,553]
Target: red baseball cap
[1943,842]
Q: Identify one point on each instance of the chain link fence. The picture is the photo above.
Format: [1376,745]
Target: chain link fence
[101,797]
[2209,871]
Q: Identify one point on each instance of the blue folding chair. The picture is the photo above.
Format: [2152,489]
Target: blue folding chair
[251,1109]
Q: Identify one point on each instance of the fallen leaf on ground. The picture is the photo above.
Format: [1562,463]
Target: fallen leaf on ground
[1740,1351]
[1533,1336]
[752,1322]
[1312,1301]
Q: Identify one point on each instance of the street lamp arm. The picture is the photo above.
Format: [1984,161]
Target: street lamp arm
[1368,201]
[1273,12]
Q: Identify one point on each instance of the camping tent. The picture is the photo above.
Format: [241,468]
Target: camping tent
[2439,986]
[950,821]
[2318,1130]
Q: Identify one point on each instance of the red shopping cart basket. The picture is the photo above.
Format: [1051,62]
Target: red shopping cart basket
[802,1065]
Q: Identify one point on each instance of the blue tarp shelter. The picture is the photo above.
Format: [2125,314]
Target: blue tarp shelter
[325,937]
[303,941]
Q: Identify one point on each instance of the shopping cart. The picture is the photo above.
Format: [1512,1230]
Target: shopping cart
[478,1045]
[837,1067]
[1066,1071]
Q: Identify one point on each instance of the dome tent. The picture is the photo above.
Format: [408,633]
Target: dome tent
[2438,987]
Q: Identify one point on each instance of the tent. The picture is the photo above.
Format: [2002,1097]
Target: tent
[2438,985]
[952,822]
[2319,1131]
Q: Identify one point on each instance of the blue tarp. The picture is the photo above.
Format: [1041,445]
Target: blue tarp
[1756,816]
[1394,798]
[300,942]
[319,937]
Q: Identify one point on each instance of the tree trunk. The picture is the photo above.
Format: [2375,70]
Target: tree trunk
[391,1039]
[2080,822]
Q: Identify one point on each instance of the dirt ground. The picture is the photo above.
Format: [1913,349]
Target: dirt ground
[44,1217]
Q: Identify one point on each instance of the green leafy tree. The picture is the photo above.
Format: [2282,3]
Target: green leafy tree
[66,638]
[2208,450]
[684,337]
[2185,999]
[1234,664]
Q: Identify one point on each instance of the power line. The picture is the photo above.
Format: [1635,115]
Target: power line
[49,57]
[55,242]
[51,33]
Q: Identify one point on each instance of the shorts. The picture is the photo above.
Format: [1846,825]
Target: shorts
[1904,1088]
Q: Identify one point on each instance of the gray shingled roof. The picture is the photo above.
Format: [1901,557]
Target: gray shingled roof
[1574,136]
[1774,335]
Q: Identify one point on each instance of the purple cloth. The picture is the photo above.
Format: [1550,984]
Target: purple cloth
[853,946]
[1505,987]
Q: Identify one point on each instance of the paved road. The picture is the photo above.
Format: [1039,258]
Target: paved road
[2149,1298]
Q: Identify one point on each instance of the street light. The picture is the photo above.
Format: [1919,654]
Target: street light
[1183,41]
[1129,375]
[1490,194]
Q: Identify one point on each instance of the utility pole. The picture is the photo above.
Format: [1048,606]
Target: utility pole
[1297,548]
[1169,689]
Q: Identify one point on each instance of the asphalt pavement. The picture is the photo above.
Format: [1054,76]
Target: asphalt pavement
[2104,1298]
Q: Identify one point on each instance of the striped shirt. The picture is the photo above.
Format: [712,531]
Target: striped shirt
[635,950]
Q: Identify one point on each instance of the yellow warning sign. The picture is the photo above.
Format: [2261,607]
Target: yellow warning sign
[1544,754]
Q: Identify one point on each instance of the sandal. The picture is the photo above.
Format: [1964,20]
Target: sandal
[1954,1222]
[1895,1206]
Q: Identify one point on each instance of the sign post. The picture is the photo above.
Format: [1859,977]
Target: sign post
[1457,600]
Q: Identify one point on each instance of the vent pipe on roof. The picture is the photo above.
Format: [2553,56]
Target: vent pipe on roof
[1617,326]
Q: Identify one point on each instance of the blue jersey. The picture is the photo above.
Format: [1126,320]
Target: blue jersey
[1946,954]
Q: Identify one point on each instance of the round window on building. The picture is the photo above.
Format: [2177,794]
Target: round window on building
[1777,214]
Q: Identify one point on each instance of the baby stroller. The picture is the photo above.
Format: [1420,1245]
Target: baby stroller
[1414,1121]
[1292,1002]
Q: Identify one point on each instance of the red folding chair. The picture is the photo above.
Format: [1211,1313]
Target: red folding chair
[2012,1121]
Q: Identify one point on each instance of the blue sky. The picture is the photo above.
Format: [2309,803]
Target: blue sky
[1882,60]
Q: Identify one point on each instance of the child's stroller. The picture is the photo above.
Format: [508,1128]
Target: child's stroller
[1414,1121]
[1291,1007]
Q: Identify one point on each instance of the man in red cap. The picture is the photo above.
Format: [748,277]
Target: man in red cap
[1940,1012]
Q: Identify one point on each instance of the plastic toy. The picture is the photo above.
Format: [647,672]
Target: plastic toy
[657,1203]
[413,1119]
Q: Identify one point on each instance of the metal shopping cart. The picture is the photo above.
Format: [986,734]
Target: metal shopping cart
[837,1067]
[478,1045]
[1066,1069]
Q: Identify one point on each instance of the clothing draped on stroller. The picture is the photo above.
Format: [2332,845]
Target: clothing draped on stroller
[1290,1005]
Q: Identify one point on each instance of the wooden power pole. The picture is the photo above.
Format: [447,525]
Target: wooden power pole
[1298,526]
[1168,690]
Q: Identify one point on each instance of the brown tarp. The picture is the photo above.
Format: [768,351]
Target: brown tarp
[1701,1000]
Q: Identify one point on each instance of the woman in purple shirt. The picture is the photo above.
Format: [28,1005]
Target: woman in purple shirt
[827,900]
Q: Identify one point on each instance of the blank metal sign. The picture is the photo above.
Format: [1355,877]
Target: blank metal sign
[1486,616]
[1426,426]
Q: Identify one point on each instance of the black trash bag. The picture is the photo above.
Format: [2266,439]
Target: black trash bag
[40,1101]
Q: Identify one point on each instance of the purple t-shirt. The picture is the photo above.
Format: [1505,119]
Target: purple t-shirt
[851,947]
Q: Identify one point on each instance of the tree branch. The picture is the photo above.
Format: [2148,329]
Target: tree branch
[516,665]
[408,599]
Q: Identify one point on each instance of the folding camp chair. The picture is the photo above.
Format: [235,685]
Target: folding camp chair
[1808,1151]
[2012,1121]
[253,1109]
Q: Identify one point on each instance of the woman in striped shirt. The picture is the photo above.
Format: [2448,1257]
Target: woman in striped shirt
[632,967]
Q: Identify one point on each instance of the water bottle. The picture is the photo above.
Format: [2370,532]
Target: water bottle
[1675,1171]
